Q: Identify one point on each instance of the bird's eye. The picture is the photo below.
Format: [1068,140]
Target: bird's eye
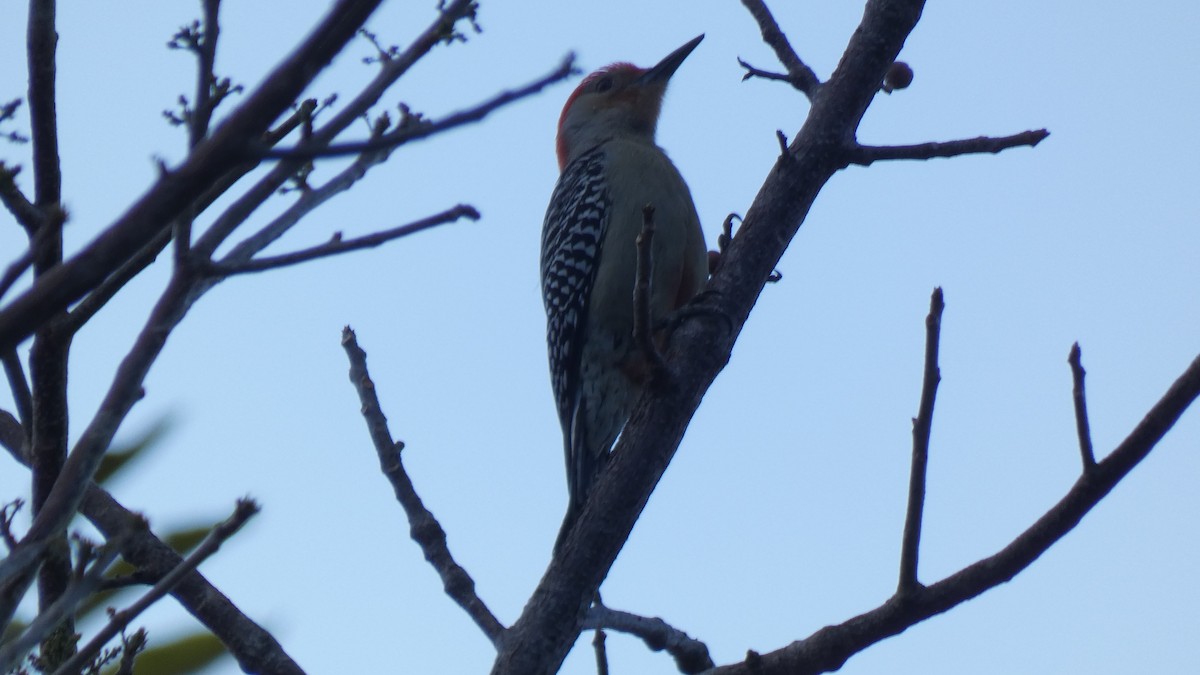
[604,84]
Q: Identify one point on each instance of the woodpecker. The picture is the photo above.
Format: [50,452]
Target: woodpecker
[611,169]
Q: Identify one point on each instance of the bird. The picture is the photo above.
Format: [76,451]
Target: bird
[611,169]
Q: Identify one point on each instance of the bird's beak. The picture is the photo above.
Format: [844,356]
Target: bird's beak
[663,71]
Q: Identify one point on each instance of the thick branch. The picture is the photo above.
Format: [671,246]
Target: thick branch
[337,245]
[171,195]
[424,129]
[922,425]
[424,527]
[798,74]
[865,155]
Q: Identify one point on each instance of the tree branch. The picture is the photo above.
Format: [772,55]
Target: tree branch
[50,618]
[690,654]
[390,71]
[246,508]
[19,386]
[172,194]
[865,155]
[829,648]
[107,290]
[255,649]
[424,527]
[422,128]
[337,245]
[42,45]
[922,425]
[28,216]
[1081,414]
[798,74]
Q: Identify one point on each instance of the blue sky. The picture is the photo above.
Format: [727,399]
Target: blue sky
[783,509]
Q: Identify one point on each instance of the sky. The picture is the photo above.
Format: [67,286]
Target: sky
[783,509]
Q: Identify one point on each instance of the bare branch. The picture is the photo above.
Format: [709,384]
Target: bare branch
[865,155]
[171,195]
[424,527]
[337,245]
[424,128]
[751,71]
[98,298]
[829,648]
[1081,415]
[389,72]
[254,648]
[42,41]
[922,425]
[14,271]
[22,397]
[28,216]
[49,618]
[690,654]
[799,75]
[246,508]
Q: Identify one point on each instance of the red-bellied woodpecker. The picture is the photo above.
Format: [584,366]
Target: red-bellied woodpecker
[611,169]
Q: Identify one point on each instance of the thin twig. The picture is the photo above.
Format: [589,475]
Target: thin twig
[865,155]
[1081,415]
[751,71]
[108,289]
[830,647]
[154,211]
[246,508]
[390,71]
[598,646]
[338,245]
[22,396]
[424,527]
[643,322]
[255,649]
[424,129]
[799,75]
[28,216]
[922,425]
[690,654]
[49,618]
[15,270]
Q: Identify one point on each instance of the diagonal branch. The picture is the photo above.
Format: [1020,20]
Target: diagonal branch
[829,648]
[423,129]
[922,425]
[798,74]
[246,508]
[170,196]
[424,527]
[865,155]
[337,245]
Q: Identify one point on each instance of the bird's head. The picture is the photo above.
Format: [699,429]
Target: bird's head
[617,100]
